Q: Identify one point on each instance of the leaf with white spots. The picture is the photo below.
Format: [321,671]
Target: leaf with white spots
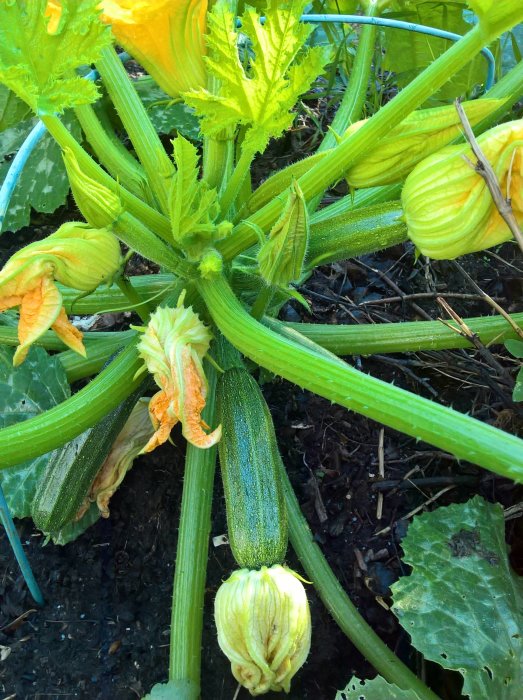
[43,184]
[38,384]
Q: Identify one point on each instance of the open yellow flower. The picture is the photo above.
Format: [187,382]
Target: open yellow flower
[75,255]
[173,346]
[447,205]
[165,36]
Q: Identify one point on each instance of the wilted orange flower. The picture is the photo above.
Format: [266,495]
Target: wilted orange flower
[77,256]
[165,36]
[173,346]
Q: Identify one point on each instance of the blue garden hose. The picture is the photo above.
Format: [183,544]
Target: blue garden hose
[15,170]
[16,545]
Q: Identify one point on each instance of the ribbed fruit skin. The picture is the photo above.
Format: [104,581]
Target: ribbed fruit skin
[72,469]
[250,465]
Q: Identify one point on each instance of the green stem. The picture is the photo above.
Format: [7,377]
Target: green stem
[112,153]
[341,607]
[191,560]
[50,341]
[413,336]
[262,302]
[149,216]
[112,299]
[62,423]
[348,152]
[127,289]
[240,173]
[139,238]
[351,106]
[443,427]
[98,352]
[149,148]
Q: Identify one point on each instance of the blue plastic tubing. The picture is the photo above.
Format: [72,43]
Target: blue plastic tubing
[15,170]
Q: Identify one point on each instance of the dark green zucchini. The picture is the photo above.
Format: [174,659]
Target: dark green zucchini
[250,464]
[72,469]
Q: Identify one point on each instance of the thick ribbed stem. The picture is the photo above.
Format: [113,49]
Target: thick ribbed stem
[62,423]
[149,216]
[332,167]
[149,148]
[112,153]
[381,338]
[426,420]
[341,607]
[191,560]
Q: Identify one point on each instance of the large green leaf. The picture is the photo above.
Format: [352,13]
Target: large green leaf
[38,384]
[43,184]
[39,65]
[172,690]
[12,109]
[376,689]
[408,53]
[462,604]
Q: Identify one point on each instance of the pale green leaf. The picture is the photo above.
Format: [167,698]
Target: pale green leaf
[376,689]
[193,205]
[462,604]
[260,96]
[515,347]
[43,184]
[173,690]
[38,384]
[12,109]
[38,66]
[517,394]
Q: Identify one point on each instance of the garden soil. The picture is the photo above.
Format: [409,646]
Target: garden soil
[104,631]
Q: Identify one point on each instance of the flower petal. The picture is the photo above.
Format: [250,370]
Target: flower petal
[68,333]
[193,403]
[38,311]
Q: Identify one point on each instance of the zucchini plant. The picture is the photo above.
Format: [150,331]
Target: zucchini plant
[231,253]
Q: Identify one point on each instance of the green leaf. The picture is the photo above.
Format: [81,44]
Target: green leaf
[260,97]
[38,384]
[38,66]
[167,116]
[515,347]
[193,205]
[517,394]
[462,604]
[71,531]
[174,690]
[12,109]
[376,689]
[43,184]
[408,53]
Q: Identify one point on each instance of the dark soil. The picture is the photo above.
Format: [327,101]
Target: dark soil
[104,633]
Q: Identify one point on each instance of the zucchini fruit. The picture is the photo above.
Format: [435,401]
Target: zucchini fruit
[250,464]
[71,470]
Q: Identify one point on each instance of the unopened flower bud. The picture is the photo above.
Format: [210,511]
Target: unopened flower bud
[447,205]
[211,263]
[281,257]
[100,207]
[264,627]
[423,132]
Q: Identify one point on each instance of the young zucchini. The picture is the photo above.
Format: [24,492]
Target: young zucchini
[250,464]
[72,468]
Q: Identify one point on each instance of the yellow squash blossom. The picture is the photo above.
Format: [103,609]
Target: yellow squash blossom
[264,627]
[75,255]
[165,36]
[173,346]
[447,205]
